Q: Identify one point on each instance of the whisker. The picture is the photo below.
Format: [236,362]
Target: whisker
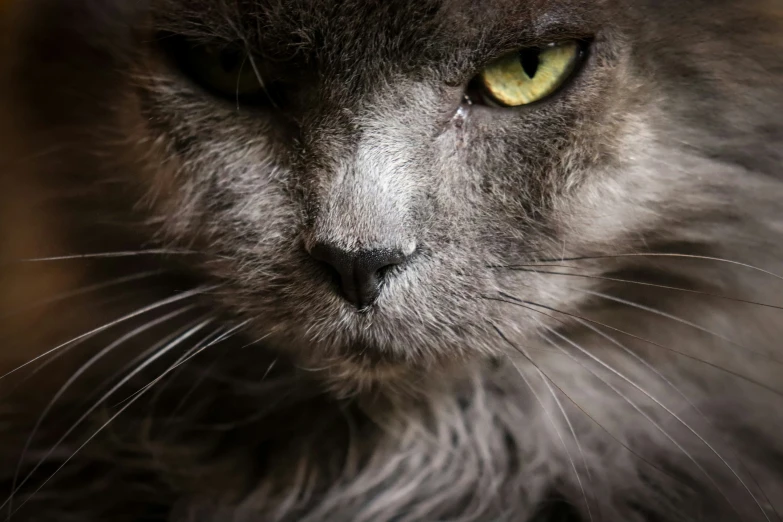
[198,382]
[205,374]
[315,370]
[89,439]
[230,332]
[644,283]
[551,419]
[193,352]
[663,407]
[677,390]
[261,80]
[654,254]
[84,290]
[248,420]
[271,366]
[252,60]
[639,359]
[647,417]
[595,421]
[161,303]
[55,357]
[251,343]
[160,352]
[153,402]
[258,415]
[105,255]
[136,360]
[679,320]
[201,342]
[513,300]
[75,376]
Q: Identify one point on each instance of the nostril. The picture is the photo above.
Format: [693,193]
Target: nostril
[360,272]
[384,270]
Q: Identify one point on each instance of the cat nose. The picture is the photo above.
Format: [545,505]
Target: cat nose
[361,272]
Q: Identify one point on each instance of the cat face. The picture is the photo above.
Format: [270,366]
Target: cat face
[363,213]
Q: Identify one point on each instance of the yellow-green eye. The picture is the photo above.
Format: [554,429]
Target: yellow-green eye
[226,71]
[531,74]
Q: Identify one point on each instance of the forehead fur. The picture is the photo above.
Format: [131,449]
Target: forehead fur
[359,35]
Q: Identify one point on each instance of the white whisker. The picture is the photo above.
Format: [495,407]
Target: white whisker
[75,376]
[549,415]
[190,354]
[640,411]
[520,302]
[222,336]
[667,410]
[660,254]
[163,302]
[676,389]
[640,283]
[84,290]
[127,378]
[106,255]
[201,342]
[678,320]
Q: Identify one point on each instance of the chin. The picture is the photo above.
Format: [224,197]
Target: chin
[364,368]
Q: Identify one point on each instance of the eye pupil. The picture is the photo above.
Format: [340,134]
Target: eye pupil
[529,58]
[229,61]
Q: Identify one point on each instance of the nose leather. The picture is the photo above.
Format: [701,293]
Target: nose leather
[361,272]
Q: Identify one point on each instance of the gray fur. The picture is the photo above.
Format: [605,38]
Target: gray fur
[470,390]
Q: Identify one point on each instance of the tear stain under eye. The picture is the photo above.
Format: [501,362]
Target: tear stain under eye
[459,118]
[461,113]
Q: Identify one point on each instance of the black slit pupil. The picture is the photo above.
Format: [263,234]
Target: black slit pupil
[230,61]
[529,58]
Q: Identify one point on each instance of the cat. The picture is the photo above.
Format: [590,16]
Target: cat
[400,260]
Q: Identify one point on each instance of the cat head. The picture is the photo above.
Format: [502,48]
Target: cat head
[373,187]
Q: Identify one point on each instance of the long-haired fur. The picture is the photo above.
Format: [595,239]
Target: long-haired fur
[589,328]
